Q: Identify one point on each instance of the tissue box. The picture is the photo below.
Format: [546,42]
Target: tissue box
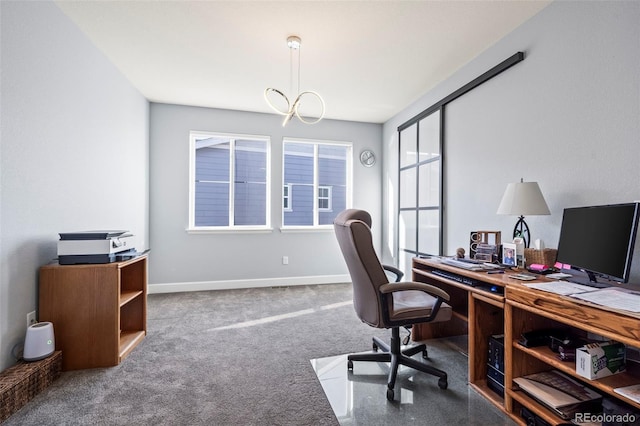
[597,360]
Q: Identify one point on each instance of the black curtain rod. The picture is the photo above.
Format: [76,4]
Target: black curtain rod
[502,66]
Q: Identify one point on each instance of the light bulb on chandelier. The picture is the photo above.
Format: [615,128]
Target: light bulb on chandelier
[292,109]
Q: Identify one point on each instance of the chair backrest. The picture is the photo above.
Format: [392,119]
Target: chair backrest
[353,231]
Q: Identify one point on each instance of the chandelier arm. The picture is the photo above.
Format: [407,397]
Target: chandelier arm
[273,107]
[291,112]
[299,61]
[296,104]
[287,118]
[290,71]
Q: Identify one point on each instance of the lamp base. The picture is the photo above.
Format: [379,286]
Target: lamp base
[521,230]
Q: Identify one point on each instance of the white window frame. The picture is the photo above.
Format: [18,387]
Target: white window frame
[349,181]
[288,196]
[194,136]
[328,198]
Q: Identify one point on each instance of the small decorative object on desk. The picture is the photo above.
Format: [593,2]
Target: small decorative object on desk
[482,237]
[460,253]
[509,254]
[519,242]
[542,257]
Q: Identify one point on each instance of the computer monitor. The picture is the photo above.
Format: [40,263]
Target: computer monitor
[599,241]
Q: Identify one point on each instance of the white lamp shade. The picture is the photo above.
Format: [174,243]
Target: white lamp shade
[523,199]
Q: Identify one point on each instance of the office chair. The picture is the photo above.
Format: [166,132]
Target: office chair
[382,304]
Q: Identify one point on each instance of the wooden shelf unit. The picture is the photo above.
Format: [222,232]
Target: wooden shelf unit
[481,313]
[528,310]
[98,311]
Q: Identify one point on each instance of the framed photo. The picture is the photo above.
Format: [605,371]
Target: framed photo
[509,254]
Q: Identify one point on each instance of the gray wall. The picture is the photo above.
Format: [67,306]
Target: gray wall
[74,152]
[181,261]
[568,116]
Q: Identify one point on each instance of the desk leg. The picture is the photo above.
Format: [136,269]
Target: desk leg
[473,342]
[508,358]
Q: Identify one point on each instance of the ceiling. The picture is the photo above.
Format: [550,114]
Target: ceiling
[368,59]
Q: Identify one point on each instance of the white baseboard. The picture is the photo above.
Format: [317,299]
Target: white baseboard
[236,284]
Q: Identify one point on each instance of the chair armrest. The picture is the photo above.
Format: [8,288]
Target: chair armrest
[397,272]
[410,285]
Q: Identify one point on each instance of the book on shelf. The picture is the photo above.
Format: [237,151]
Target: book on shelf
[560,393]
[632,392]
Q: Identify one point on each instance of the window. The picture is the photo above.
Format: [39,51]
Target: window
[317,182]
[286,198]
[324,198]
[229,181]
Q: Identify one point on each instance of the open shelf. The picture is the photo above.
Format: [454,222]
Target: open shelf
[534,406]
[483,389]
[530,310]
[128,296]
[128,341]
[606,384]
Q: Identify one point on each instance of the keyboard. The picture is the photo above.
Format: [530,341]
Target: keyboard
[455,277]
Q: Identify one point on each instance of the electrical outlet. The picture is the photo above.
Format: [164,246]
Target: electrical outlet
[31,318]
[285,260]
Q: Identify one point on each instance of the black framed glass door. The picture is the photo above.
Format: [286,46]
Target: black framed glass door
[420,189]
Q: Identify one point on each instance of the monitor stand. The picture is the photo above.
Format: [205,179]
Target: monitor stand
[587,278]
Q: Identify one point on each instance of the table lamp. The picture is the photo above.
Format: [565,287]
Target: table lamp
[520,199]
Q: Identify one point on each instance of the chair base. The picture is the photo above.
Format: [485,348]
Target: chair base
[396,357]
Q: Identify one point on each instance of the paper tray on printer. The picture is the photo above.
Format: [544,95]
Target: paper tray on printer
[90,235]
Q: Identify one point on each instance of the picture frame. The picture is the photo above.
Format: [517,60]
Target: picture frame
[509,253]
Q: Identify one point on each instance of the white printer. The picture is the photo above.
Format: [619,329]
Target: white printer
[95,247]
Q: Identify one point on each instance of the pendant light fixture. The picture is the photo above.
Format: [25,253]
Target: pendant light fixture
[292,109]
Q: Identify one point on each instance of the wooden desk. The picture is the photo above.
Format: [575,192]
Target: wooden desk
[480,313]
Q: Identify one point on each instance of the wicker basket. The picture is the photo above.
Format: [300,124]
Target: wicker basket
[20,383]
[541,257]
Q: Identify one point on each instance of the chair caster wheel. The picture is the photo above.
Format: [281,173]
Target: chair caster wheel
[390,394]
[442,383]
[425,354]
[350,365]
[375,347]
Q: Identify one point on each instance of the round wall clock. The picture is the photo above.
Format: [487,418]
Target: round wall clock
[367,158]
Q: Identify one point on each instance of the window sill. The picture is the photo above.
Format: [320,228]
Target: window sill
[321,228]
[229,230]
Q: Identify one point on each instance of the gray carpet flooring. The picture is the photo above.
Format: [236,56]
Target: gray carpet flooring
[216,358]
